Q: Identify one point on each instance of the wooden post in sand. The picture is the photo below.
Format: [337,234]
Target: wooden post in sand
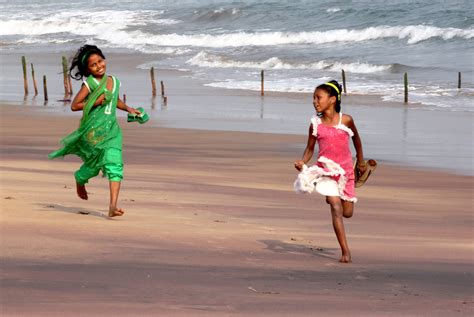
[262,77]
[45,88]
[66,85]
[34,79]
[162,89]
[405,83]
[459,80]
[70,84]
[153,84]
[344,81]
[25,80]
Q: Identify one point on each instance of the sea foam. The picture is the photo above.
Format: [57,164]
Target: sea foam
[204,59]
[413,35]
[98,23]
[79,22]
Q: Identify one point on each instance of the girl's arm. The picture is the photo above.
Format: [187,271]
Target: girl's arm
[122,106]
[308,152]
[78,102]
[357,144]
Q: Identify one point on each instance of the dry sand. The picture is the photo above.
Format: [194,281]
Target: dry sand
[213,228]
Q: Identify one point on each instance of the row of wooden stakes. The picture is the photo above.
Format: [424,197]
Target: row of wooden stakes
[68,86]
[66,80]
[25,79]
[153,86]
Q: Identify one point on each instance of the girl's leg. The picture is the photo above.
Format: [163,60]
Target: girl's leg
[347,208]
[81,191]
[113,168]
[114,192]
[82,176]
[337,213]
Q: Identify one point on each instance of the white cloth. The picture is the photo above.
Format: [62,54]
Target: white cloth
[315,178]
[327,186]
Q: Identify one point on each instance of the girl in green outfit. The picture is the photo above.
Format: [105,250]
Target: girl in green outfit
[98,140]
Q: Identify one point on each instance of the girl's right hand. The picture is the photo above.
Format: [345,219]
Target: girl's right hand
[133,111]
[299,165]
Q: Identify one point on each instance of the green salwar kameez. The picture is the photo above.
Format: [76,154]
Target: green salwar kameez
[98,140]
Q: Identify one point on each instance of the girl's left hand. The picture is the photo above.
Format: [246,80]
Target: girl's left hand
[361,167]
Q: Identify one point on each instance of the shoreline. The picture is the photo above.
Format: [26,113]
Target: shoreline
[213,228]
[125,66]
[391,132]
[40,110]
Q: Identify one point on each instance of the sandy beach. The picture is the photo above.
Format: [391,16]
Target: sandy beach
[212,225]
[213,228]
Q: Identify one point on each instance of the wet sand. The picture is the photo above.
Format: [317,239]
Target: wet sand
[213,228]
[409,135]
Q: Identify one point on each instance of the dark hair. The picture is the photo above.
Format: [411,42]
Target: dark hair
[80,61]
[327,87]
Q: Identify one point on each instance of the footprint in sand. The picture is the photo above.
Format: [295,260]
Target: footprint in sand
[9,198]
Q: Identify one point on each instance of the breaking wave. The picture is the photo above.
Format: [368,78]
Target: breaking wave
[204,59]
[124,26]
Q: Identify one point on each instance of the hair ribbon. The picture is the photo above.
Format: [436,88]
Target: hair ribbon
[336,88]
[84,58]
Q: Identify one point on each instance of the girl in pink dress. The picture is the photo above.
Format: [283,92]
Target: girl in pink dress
[333,173]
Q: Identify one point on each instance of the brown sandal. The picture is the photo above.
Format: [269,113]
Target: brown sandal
[360,179]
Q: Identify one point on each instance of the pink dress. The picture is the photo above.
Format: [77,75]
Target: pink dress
[333,173]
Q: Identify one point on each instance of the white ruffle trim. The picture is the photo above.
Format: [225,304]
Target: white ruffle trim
[315,121]
[346,129]
[306,180]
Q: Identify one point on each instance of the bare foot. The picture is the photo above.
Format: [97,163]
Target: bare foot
[346,258]
[114,212]
[81,191]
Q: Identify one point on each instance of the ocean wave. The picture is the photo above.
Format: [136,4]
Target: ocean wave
[333,10]
[204,59]
[401,68]
[31,40]
[413,34]
[216,14]
[105,24]
[80,23]
[300,85]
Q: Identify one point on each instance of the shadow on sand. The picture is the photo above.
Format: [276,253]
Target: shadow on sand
[284,247]
[74,210]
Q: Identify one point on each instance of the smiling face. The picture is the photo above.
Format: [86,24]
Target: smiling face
[96,65]
[322,100]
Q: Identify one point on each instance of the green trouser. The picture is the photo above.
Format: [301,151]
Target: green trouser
[112,168]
